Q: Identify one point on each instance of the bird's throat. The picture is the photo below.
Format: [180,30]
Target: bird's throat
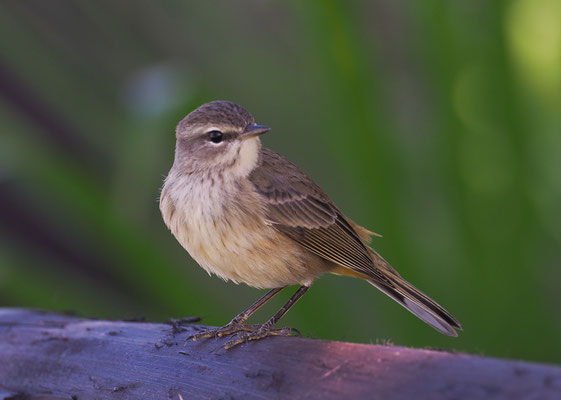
[247,158]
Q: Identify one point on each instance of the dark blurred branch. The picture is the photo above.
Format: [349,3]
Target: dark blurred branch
[58,131]
[48,356]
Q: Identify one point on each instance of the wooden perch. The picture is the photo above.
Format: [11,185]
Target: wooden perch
[49,356]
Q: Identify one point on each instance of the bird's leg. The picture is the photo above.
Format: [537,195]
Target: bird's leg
[262,331]
[238,323]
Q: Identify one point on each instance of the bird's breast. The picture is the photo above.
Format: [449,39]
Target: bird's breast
[222,225]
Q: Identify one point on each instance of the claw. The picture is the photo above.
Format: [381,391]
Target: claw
[295,331]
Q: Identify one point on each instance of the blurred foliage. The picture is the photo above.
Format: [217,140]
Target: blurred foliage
[435,123]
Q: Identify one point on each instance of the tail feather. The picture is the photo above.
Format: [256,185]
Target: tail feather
[417,303]
[388,280]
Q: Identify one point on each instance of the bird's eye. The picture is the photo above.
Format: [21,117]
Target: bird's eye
[215,136]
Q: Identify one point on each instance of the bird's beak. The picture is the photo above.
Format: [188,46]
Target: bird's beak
[254,130]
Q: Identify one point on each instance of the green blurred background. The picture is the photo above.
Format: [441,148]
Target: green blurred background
[434,123]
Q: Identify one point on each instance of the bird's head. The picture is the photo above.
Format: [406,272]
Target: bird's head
[220,136]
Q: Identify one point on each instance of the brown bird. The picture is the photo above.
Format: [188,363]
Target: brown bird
[247,214]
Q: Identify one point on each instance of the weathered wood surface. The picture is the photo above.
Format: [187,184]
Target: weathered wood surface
[49,356]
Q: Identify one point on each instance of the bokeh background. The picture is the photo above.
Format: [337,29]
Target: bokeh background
[435,123]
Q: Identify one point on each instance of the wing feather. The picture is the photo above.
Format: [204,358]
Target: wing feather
[297,207]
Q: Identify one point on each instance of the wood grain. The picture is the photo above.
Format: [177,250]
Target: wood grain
[50,356]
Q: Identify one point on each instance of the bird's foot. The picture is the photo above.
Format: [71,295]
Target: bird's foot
[261,332]
[232,327]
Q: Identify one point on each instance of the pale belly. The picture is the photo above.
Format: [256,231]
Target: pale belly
[235,243]
[235,251]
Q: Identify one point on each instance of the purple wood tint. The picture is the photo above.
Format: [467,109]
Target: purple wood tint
[49,356]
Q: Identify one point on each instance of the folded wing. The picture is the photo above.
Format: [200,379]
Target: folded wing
[299,208]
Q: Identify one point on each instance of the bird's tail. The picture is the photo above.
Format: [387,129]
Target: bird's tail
[392,284]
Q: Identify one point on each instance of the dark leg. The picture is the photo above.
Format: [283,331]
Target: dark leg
[238,323]
[267,328]
[284,309]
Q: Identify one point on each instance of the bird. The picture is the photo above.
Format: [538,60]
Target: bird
[248,215]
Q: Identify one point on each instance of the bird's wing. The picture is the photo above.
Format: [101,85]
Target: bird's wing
[299,208]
